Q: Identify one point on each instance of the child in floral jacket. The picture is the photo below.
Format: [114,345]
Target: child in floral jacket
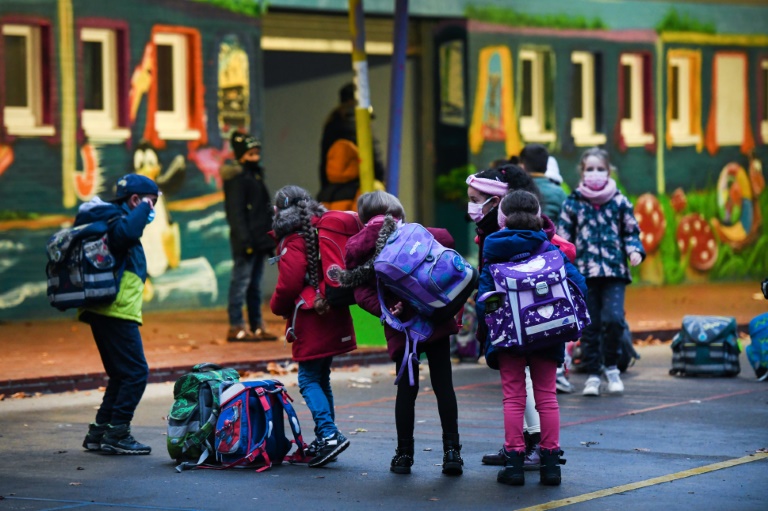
[600,221]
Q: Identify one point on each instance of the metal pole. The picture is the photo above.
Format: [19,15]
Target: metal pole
[397,91]
[363,96]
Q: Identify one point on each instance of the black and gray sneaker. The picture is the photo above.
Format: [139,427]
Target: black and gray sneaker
[92,440]
[329,449]
[118,440]
[313,448]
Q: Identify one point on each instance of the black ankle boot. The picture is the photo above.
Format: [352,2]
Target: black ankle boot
[512,473]
[118,440]
[403,458]
[550,466]
[452,462]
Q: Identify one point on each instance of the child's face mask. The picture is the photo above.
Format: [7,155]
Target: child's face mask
[595,173]
[475,210]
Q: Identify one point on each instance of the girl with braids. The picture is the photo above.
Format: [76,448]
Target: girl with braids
[317,331]
[524,234]
[381,213]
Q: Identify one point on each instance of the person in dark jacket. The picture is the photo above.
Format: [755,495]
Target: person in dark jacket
[317,332]
[115,325]
[380,211]
[339,155]
[524,234]
[249,214]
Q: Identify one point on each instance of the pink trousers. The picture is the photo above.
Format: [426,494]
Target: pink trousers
[543,370]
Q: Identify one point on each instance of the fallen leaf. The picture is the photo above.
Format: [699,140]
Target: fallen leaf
[427,449]
[587,444]
[642,449]
[361,430]
[434,499]
[80,468]
[19,395]
[274,368]
[75,484]
[2,397]
[361,380]
[183,336]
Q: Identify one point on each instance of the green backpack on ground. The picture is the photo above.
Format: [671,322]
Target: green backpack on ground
[706,346]
[195,410]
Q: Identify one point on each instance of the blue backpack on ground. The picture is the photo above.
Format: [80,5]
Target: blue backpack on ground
[250,431]
[757,351]
[81,269]
[534,304]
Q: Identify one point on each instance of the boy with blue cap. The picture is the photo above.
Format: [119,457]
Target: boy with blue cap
[115,325]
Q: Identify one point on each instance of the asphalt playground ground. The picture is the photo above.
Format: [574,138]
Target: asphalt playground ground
[667,443]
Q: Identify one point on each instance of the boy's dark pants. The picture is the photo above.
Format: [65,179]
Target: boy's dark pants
[122,354]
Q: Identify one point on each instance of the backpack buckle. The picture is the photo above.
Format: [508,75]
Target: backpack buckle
[542,288]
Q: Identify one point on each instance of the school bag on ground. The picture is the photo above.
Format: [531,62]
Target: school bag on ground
[194,413]
[534,304]
[757,351]
[706,346]
[81,269]
[434,280]
[251,428]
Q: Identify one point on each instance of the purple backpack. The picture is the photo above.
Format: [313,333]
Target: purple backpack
[534,305]
[435,281]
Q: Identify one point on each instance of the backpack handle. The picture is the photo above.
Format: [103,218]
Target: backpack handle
[205,366]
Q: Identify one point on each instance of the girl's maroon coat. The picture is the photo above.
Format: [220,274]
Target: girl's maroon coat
[360,248]
[317,336]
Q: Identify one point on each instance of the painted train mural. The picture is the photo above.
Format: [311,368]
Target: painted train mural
[153,88]
[684,116]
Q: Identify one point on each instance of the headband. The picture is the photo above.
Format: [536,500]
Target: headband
[488,186]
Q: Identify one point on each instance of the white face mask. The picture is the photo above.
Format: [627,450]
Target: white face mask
[475,211]
[596,180]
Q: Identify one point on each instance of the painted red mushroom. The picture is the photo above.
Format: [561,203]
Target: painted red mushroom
[650,218]
[679,200]
[697,243]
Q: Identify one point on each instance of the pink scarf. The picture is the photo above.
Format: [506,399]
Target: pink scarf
[598,197]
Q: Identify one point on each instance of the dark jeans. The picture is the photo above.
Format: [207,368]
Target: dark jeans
[315,388]
[600,341]
[122,354]
[245,288]
[438,354]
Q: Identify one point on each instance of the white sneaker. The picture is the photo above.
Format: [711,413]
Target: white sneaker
[592,387]
[561,382]
[615,385]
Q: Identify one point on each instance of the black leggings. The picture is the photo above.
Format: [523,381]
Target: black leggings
[438,354]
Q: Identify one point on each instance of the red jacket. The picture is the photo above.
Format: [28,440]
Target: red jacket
[317,336]
[360,248]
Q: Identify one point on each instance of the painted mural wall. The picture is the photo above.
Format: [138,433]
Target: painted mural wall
[153,88]
[683,116]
